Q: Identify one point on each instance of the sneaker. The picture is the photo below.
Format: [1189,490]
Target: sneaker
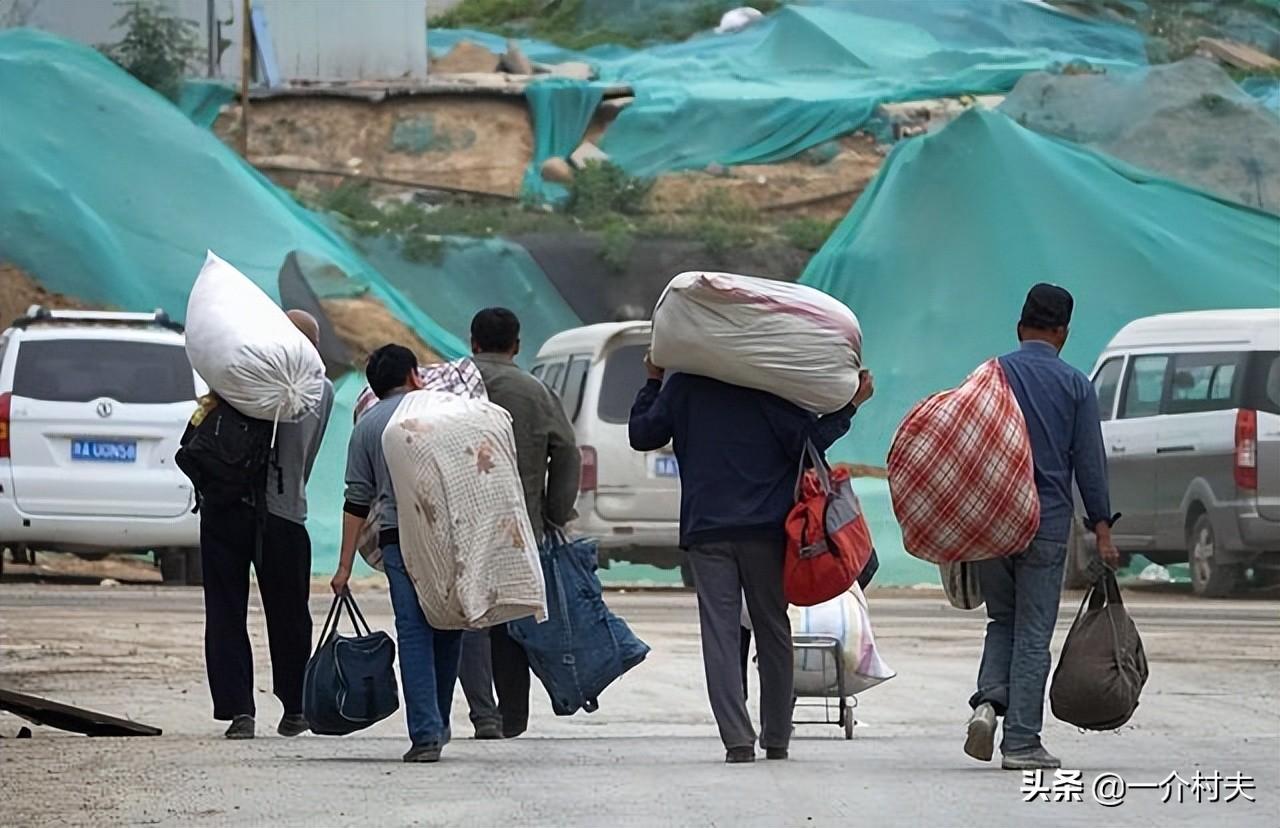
[488,731]
[423,753]
[513,731]
[242,727]
[776,753]
[293,724]
[981,741]
[740,755]
[1032,759]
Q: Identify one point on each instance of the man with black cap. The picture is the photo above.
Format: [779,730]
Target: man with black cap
[1022,592]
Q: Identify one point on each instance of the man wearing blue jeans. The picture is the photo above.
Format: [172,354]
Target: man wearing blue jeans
[1022,592]
[428,657]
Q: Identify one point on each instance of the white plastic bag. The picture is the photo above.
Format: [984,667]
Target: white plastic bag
[735,20]
[247,350]
[845,618]
[787,339]
[464,528]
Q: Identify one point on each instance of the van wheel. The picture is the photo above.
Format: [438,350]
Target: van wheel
[1079,555]
[1209,578]
[180,566]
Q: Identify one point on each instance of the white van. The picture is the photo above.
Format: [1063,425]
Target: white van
[630,501]
[1190,404]
[92,406]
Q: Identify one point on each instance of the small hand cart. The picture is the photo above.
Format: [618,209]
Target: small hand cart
[833,687]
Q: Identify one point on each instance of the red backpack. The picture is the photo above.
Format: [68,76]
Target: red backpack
[828,540]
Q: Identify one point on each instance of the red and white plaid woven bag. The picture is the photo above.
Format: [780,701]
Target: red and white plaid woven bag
[961,473]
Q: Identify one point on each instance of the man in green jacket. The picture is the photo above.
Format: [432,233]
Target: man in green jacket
[550,466]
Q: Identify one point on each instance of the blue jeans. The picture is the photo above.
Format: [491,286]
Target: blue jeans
[428,657]
[1021,593]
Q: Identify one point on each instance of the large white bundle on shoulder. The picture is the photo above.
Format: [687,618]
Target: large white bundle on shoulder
[464,529]
[787,339]
[247,350]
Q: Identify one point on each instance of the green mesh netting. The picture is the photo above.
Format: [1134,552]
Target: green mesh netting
[810,73]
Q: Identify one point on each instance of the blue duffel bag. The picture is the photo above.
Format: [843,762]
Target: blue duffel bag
[350,683]
[582,647]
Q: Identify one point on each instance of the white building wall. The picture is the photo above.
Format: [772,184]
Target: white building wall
[333,40]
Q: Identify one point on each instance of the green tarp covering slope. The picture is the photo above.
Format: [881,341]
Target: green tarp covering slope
[937,255]
[112,195]
[812,72]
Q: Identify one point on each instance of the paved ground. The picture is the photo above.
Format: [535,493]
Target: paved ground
[648,757]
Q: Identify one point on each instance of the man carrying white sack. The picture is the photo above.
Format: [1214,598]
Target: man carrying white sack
[738,451]
[228,546]
[428,657]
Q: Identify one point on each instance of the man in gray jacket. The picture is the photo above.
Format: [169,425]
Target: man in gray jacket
[549,464]
[227,542]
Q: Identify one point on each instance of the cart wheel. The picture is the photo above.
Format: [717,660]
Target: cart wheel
[847,717]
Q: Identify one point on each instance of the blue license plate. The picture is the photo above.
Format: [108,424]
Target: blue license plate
[104,451]
[664,465]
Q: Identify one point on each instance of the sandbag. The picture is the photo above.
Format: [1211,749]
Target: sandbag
[247,350]
[961,475]
[582,647]
[460,377]
[960,584]
[464,529]
[787,339]
[1103,666]
[846,619]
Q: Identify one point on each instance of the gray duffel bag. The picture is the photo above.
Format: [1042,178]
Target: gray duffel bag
[1102,667]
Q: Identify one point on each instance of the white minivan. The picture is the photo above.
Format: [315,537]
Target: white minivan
[1190,404]
[630,501]
[92,406]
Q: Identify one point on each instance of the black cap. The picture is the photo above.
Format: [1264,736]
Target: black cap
[1047,307]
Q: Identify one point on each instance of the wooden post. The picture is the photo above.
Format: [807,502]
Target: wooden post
[246,74]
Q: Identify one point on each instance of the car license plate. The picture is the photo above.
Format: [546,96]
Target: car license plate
[664,465]
[104,451]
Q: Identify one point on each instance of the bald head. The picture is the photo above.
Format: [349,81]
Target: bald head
[306,323]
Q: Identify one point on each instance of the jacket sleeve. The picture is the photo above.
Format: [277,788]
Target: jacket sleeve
[1089,457]
[564,465]
[825,430]
[651,426]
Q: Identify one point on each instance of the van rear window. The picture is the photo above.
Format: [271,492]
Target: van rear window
[1262,389]
[624,376]
[81,370]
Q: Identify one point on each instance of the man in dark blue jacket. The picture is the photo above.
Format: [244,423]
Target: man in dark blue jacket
[739,453]
[1022,591]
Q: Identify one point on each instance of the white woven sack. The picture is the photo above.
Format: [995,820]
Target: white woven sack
[787,339]
[247,350]
[464,529]
[845,618]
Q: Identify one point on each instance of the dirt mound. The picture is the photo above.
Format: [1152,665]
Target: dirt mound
[365,325]
[18,292]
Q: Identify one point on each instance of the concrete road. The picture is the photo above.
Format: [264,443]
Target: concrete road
[649,756]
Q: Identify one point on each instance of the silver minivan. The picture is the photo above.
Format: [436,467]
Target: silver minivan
[1190,404]
[629,500]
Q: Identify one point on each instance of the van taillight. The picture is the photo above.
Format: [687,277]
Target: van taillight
[1246,449]
[6,401]
[590,470]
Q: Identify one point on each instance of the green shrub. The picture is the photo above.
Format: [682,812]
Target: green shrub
[616,243]
[601,188]
[158,47]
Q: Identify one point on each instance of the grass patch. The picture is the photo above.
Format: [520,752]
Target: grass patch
[603,200]
[562,21]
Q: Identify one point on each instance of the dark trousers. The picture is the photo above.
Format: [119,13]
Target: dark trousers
[492,658]
[227,545]
[744,646]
